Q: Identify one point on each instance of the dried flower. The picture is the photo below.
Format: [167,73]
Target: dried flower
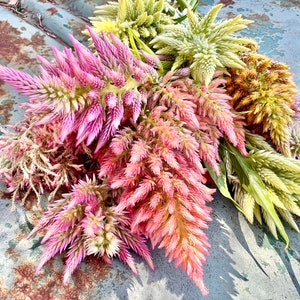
[33,159]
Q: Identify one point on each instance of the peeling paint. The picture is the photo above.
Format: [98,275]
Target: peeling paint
[52,11]
[11,43]
[227,2]
[5,110]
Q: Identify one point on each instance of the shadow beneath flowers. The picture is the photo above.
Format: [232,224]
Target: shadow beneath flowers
[265,262]
[286,261]
[287,256]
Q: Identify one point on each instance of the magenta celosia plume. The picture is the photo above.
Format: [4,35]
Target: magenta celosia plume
[88,95]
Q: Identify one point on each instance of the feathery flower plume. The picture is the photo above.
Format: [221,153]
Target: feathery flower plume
[204,110]
[265,184]
[264,91]
[158,169]
[86,94]
[33,159]
[204,45]
[85,222]
[134,22]
[295,130]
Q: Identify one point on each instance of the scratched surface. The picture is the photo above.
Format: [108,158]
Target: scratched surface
[245,262]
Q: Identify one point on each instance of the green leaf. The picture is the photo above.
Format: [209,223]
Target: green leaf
[256,187]
[221,183]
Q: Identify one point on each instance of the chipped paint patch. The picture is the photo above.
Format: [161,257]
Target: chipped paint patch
[52,11]
[227,2]
[11,43]
[6,108]
[47,283]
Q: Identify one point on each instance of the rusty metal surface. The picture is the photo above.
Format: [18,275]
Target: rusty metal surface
[245,262]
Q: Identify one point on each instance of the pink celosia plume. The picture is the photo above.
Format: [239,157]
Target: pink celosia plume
[84,222]
[161,178]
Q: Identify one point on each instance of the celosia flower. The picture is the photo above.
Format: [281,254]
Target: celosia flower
[86,94]
[85,222]
[33,159]
[205,110]
[158,170]
[204,45]
[265,184]
[135,22]
[294,127]
[264,91]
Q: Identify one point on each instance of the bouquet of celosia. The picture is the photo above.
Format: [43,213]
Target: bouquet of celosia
[123,136]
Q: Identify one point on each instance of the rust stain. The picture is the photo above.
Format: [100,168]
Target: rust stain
[47,285]
[3,291]
[6,106]
[12,253]
[260,17]
[290,3]
[5,195]
[12,47]
[10,43]
[77,28]
[38,41]
[98,269]
[2,91]
[52,11]
[230,15]
[227,2]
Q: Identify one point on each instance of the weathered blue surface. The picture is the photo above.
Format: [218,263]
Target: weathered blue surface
[245,262]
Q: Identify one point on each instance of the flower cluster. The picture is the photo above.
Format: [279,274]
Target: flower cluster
[135,22]
[85,222]
[204,45]
[128,130]
[88,95]
[264,90]
[161,176]
[33,159]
